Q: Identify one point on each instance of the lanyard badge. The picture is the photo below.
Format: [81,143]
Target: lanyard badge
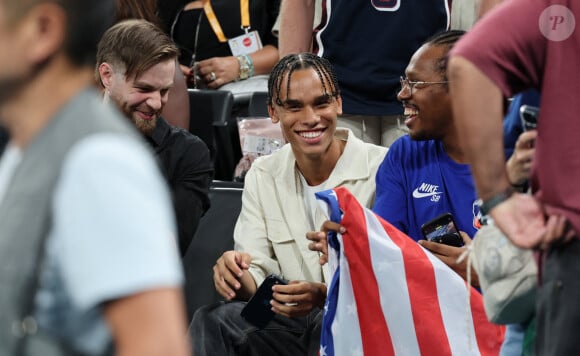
[247,43]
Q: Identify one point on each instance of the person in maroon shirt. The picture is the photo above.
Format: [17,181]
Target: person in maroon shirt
[529,44]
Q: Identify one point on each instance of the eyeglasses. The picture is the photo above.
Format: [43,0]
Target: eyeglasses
[412,84]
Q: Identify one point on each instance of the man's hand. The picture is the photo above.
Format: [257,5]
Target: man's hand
[520,163]
[230,275]
[298,298]
[558,231]
[450,254]
[522,220]
[320,241]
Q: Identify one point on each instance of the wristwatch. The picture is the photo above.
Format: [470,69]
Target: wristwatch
[245,70]
[494,201]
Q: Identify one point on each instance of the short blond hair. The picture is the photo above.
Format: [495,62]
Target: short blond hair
[135,46]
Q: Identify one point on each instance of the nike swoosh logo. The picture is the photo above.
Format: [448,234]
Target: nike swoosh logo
[418,194]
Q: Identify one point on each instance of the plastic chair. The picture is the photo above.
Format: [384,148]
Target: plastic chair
[258,105]
[210,111]
[213,237]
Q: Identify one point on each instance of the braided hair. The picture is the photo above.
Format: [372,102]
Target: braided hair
[448,40]
[293,62]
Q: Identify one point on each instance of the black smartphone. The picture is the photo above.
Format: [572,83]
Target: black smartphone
[443,230]
[258,310]
[529,117]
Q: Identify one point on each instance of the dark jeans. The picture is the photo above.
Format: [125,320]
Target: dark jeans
[558,302]
[218,329]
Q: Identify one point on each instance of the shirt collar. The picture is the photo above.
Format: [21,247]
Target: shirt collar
[160,132]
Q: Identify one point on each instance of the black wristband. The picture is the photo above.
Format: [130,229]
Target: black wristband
[494,201]
[520,187]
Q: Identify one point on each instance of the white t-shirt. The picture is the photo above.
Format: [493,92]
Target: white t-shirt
[310,201]
[113,235]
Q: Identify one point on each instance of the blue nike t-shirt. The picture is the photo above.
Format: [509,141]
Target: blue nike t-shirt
[418,181]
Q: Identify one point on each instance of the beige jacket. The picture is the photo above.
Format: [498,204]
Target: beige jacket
[272,225]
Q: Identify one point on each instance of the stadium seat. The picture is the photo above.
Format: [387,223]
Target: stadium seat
[213,237]
[258,105]
[210,111]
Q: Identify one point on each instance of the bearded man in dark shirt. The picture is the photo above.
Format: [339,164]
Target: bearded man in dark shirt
[136,67]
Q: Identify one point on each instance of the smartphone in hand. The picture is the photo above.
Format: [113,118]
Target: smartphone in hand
[258,310]
[443,230]
[529,117]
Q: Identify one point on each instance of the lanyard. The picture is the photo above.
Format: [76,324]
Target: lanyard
[215,24]
[245,14]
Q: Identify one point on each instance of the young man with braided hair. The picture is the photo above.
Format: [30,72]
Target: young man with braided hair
[278,209]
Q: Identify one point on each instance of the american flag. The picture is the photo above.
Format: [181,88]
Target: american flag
[390,296]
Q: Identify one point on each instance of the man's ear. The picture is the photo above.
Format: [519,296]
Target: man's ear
[273,114]
[46,26]
[106,73]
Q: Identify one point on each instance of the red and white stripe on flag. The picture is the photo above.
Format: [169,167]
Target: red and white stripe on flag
[396,298]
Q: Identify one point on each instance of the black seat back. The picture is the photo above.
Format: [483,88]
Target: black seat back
[210,111]
[258,105]
[213,237]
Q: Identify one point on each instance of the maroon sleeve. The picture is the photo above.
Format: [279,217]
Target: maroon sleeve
[507,45]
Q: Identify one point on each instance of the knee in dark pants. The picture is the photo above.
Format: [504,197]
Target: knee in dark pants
[218,329]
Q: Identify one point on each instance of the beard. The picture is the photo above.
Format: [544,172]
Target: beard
[419,136]
[146,127]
